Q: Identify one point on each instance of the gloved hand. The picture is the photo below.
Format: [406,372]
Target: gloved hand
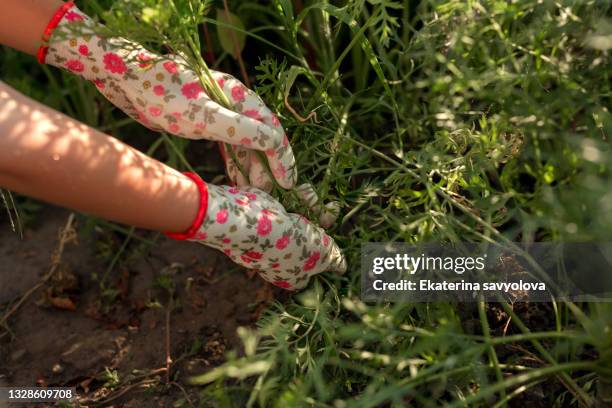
[328,213]
[162,93]
[255,231]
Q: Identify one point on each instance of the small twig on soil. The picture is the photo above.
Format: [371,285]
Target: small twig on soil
[507,325]
[143,379]
[180,387]
[17,305]
[149,374]
[505,330]
[67,234]
[122,392]
[168,356]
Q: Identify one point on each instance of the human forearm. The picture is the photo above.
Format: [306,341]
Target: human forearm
[22,22]
[47,155]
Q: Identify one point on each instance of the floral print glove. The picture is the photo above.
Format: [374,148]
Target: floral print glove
[162,93]
[328,213]
[255,231]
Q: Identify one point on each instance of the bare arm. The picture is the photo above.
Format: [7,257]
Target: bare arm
[47,155]
[50,156]
[22,22]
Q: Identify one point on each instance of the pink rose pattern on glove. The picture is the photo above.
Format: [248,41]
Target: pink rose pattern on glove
[162,93]
[255,231]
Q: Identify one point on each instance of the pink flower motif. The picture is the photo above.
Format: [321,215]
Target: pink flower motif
[282,242]
[220,82]
[275,120]
[177,115]
[155,110]
[75,66]
[254,255]
[312,261]
[285,141]
[200,125]
[246,259]
[242,202]
[72,16]
[280,172]
[275,265]
[99,83]
[83,49]
[264,226]
[233,190]
[227,252]
[282,284]
[174,128]
[270,152]
[254,113]
[144,58]
[325,241]
[226,240]
[159,90]
[267,212]
[191,90]
[245,141]
[251,196]
[114,63]
[142,118]
[171,67]
[201,235]
[222,216]
[238,93]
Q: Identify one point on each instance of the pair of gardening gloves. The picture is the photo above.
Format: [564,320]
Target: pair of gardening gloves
[163,94]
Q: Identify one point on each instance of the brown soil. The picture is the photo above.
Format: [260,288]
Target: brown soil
[46,343]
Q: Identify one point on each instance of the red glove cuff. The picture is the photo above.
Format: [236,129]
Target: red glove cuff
[53,23]
[199,219]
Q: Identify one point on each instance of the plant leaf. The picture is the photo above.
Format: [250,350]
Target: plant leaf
[232,41]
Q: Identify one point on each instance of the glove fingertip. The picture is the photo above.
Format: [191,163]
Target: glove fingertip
[329,214]
[339,267]
[337,263]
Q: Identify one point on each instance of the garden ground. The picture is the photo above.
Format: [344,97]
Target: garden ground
[66,338]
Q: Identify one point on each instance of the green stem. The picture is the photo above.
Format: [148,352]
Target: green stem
[572,386]
[486,332]
[520,379]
